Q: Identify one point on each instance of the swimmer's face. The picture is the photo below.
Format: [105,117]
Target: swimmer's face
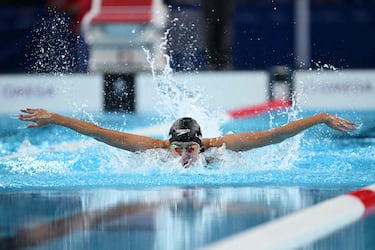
[187,151]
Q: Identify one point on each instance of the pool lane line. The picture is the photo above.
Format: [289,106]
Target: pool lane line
[367,197]
[306,226]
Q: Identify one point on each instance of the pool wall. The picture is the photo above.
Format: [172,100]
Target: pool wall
[315,89]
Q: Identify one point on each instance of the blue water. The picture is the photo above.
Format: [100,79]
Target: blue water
[61,190]
[57,157]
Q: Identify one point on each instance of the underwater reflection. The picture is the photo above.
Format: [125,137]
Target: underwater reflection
[158,218]
[359,236]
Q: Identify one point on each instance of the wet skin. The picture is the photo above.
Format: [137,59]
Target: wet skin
[187,152]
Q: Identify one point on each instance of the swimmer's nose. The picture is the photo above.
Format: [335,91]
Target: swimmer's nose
[183,154]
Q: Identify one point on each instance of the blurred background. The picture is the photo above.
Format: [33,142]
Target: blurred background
[221,34]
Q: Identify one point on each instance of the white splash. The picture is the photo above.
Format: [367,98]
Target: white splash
[178,99]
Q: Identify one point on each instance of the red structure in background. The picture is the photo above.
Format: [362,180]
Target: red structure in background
[125,11]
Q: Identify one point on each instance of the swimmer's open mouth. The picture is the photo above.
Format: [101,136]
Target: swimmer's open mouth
[187,163]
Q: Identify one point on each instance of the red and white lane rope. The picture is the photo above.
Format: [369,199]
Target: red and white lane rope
[306,226]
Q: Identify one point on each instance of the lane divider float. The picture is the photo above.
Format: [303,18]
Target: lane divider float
[306,226]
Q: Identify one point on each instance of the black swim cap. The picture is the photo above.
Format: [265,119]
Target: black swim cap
[186,129]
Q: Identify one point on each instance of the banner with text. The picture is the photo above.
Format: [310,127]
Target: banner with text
[345,90]
[58,93]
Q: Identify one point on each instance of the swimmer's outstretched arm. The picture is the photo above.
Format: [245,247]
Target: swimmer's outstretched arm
[250,140]
[127,141]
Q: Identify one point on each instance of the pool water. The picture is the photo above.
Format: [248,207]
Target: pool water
[57,157]
[60,190]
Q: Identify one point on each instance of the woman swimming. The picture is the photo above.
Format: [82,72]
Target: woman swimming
[185,138]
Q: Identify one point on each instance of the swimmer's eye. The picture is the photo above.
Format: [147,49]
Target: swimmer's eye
[191,148]
[178,150]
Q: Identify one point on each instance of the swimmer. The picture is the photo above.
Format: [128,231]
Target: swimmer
[185,138]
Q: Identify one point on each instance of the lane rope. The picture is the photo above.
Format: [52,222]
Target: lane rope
[306,226]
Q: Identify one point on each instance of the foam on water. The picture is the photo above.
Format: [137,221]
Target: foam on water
[100,165]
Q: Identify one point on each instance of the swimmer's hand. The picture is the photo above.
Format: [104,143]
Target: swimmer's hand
[40,117]
[338,123]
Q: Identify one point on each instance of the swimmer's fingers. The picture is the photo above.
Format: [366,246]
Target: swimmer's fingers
[38,116]
[30,110]
[340,124]
[26,117]
[29,113]
[29,116]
